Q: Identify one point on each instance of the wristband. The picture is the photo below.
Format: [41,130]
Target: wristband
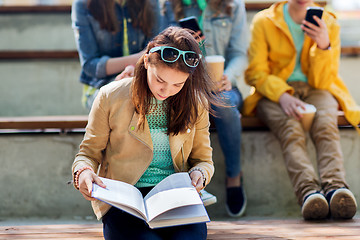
[202,173]
[77,174]
[328,48]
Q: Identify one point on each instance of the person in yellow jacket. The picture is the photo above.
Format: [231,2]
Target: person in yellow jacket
[293,63]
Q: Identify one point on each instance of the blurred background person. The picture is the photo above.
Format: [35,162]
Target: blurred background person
[294,63]
[225,30]
[110,37]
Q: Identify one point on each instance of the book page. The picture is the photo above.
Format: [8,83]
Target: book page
[174,191]
[169,199]
[121,195]
[178,216]
[176,180]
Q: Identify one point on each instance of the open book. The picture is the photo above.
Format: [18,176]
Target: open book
[173,201]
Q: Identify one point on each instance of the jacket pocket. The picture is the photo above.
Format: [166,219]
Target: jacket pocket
[222,27]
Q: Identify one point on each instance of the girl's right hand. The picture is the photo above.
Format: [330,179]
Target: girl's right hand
[86,179]
[290,104]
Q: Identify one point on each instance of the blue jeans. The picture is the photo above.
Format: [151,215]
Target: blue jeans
[118,224]
[228,126]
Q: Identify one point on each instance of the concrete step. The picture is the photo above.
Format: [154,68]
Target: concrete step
[266,181]
[52,87]
[41,31]
[37,168]
[40,87]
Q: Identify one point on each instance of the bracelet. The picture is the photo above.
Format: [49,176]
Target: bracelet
[77,174]
[202,173]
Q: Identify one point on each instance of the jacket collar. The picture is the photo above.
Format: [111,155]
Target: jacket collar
[176,143]
[276,15]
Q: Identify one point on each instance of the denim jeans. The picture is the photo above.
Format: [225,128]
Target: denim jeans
[118,224]
[228,127]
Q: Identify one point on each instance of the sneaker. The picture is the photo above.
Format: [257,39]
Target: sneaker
[342,203]
[315,207]
[235,201]
[207,198]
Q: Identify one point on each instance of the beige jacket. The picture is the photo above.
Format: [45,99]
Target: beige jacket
[114,147]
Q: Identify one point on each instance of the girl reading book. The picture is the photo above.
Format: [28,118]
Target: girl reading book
[145,128]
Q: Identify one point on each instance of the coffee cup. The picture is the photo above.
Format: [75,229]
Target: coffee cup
[215,66]
[307,116]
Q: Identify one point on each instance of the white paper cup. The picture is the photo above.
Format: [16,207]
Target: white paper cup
[308,116]
[215,66]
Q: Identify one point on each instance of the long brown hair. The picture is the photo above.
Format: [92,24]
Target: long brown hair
[182,108]
[218,6]
[141,13]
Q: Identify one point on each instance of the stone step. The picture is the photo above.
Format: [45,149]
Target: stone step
[38,166]
[41,31]
[40,87]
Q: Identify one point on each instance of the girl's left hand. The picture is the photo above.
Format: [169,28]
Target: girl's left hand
[224,84]
[318,33]
[197,180]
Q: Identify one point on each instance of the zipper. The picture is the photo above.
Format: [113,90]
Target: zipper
[183,159]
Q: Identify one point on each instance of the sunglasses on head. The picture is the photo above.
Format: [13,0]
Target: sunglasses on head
[171,54]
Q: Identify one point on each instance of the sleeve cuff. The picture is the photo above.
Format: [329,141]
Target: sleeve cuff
[101,67]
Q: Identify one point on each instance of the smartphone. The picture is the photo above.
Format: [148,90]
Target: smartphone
[191,23]
[311,11]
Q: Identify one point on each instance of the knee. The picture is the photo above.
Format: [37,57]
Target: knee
[291,131]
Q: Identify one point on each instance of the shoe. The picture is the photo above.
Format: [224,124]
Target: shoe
[342,203]
[235,201]
[207,198]
[315,207]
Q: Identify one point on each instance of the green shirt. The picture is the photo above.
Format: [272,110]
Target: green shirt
[298,38]
[161,165]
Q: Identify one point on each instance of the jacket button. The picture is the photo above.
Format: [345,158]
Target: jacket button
[133,43]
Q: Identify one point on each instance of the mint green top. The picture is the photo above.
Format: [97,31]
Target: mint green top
[161,165]
[298,38]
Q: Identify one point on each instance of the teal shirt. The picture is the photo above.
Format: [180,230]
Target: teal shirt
[161,165]
[298,38]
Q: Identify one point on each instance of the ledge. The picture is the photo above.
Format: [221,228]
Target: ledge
[73,54]
[68,122]
[44,122]
[22,54]
[36,9]
[350,51]
[256,6]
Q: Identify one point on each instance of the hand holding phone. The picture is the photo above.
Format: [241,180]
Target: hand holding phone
[192,24]
[319,33]
[311,12]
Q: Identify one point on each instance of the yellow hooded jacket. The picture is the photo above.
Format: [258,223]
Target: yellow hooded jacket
[272,57]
